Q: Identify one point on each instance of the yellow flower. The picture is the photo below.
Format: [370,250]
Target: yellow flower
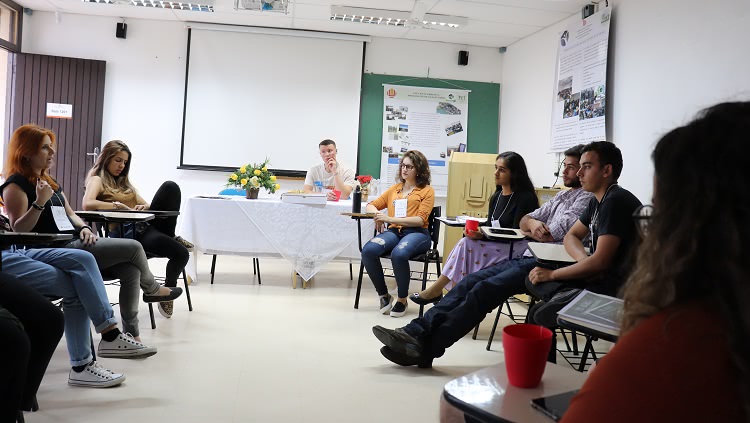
[278,186]
[233,176]
[273,178]
[243,181]
[256,172]
[243,169]
[265,169]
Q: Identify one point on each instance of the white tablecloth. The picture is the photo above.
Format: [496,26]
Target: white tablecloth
[308,236]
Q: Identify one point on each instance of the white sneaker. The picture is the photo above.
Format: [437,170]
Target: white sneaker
[95,376]
[124,347]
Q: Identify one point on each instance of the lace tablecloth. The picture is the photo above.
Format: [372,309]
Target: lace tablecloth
[308,236]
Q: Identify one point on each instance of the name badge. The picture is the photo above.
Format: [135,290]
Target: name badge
[400,206]
[61,219]
[495,223]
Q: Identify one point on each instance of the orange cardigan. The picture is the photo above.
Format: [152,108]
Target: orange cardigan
[419,202]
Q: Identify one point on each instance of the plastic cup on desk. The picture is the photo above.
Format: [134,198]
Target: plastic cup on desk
[337,194]
[526,348]
[472,225]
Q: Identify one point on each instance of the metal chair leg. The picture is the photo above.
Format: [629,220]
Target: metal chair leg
[494,327]
[359,284]
[213,268]
[254,265]
[351,271]
[187,290]
[257,265]
[151,314]
[476,330]
[424,284]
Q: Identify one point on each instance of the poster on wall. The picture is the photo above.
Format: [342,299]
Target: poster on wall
[578,111]
[431,120]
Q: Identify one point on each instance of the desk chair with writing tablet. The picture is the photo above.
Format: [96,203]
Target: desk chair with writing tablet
[431,256]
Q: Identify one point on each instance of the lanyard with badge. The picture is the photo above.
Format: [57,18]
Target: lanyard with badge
[594,225]
[496,222]
[60,217]
[399,205]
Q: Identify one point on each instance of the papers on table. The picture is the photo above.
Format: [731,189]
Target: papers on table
[595,311]
[303,198]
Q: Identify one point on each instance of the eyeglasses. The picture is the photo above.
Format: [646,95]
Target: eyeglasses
[642,217]
[407,166]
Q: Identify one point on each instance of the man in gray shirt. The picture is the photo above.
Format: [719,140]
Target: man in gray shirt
[479,293]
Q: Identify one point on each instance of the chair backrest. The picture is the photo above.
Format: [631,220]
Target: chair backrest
[433,227]
[232,191]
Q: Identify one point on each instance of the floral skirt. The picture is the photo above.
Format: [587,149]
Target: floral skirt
[469,256]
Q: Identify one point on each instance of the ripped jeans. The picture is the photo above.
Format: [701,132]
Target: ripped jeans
[402,245]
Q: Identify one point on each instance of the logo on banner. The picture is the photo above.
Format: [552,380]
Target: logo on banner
[391,93]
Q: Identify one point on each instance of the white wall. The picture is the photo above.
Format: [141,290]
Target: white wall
[393,56]
[144,86]
[668,59]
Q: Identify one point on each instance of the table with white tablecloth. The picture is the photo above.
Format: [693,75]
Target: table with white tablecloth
[307,236]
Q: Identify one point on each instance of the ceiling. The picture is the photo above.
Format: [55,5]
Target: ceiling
[491,23]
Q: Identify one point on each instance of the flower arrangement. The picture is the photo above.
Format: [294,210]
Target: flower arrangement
[364,181]
[364,184]
[254,176]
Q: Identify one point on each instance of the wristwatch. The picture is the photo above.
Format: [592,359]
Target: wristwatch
[37,206]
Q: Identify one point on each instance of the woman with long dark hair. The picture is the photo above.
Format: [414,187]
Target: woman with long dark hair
[108,187]
[513,199]
[684,352]
[409,204]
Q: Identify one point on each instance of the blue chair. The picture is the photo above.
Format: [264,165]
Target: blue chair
[256,261]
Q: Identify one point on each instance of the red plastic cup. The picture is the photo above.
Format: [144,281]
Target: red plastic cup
[526,348]
[336,193]
[472,225]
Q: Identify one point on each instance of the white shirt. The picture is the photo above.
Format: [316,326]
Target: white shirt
[318,173]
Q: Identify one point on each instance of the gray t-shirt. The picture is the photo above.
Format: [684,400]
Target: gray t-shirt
[318,173]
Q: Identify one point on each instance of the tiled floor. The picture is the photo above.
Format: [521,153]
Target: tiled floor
[268,353]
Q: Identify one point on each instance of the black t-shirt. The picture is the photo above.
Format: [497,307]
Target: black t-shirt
[46,223]
[509,209]
[613,216]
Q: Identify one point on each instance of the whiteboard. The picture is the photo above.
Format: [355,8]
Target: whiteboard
[251,96]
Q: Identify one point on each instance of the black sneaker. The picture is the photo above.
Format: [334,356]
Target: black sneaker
[385,303]
[399,341]
[405,360]
[545,314]
[399,309]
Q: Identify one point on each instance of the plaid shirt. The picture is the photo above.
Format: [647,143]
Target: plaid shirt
[562,211]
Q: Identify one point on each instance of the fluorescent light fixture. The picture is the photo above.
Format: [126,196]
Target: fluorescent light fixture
[197,6]
[262,5]
[393,17]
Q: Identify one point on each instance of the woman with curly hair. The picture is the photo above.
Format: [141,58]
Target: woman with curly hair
[684,352]
[409,203]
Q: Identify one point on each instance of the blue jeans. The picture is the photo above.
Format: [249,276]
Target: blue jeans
[402,245]
[74,276]
[466,305]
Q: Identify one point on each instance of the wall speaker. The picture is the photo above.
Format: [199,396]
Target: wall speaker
[463,58]
[122,30]
[587,11]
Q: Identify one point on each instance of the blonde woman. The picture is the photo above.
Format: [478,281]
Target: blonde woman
[108,187]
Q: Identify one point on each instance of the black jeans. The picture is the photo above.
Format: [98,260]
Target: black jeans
[158,238]
[27,346]
[468,303]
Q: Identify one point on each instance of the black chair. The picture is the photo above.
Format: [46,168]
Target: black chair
[432,255]
[510,314]
[256,268]
[159,278]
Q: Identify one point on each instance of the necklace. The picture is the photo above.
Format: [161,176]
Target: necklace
[505,208]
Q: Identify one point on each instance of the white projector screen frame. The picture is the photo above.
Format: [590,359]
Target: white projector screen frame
[249,96]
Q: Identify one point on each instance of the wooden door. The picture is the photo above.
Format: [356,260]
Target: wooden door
[36,80]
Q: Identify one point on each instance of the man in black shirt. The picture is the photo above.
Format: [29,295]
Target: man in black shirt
[608,219]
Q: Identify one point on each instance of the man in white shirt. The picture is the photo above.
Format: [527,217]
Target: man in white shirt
[331,174]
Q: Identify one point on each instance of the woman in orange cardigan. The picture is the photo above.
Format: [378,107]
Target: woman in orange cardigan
[409,203]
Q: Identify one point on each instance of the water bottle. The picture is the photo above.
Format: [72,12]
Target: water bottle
[357,200]
[318,186]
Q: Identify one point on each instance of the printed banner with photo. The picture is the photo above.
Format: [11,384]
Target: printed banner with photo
[431,120]
[581,84]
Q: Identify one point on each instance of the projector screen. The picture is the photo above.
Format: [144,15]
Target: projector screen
[251,96]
